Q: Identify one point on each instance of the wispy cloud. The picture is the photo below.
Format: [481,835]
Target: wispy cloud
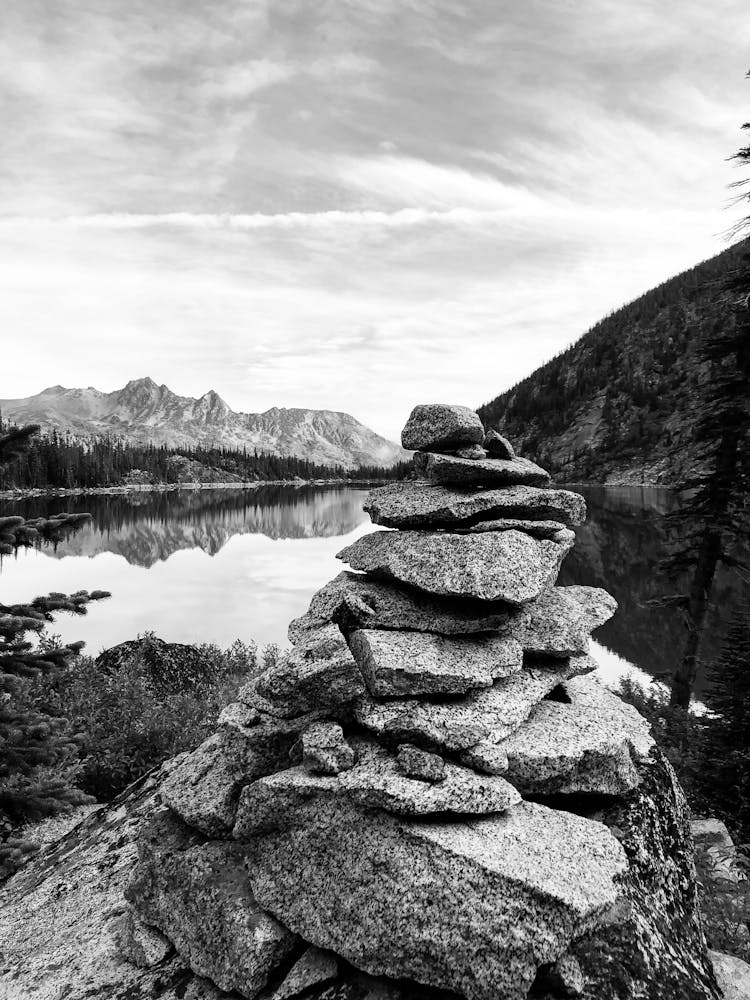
[304,203]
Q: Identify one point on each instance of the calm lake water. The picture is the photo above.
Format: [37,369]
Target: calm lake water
[216,565]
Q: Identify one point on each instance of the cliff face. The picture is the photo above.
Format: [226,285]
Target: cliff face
[617,406]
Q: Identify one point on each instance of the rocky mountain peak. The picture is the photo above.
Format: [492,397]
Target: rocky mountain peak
[143,412]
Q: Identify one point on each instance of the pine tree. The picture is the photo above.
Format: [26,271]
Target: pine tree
[727,771]
[36,747]
[712,519]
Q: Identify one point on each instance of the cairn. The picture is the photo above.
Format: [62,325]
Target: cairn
[417,792]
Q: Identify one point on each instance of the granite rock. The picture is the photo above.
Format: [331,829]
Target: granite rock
[563,978]
[473,907]
[498,446]
[420,764]
[324,749]
[313,968]
[140,944]
[656,949]
[498,566]
[538,529]
[560,621]
[203,788]
[358,601]
[198,895]
[422,505]
[440,427]
[451,470]
[410,663]
[486,757]
[590,742]
[732,975]
[489,714]
[320,673]
[473,452]
[377,782]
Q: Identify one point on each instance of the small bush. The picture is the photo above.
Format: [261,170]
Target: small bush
[125,724]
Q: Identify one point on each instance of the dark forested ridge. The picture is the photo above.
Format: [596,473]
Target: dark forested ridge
[615,407]
[59,461]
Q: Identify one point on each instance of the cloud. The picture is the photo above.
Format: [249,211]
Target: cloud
[350,204]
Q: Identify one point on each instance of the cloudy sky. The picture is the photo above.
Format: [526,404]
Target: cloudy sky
[350,204]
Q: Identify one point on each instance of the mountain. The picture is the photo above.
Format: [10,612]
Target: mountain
[617,406]
[144,412]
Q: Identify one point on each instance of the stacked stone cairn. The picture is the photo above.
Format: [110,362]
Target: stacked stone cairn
[432,794]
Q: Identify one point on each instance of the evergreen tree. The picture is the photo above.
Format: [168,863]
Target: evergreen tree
[36,747]
[727,771]
[711,519]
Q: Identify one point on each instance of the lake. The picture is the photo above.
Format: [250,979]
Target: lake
[216,565]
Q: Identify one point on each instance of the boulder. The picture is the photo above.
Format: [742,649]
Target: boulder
[420,764]
[441,427]
[498,446]
[732,975]
[170,666]
[324,749]
[489,714]
[499,566]
[359,601]
[421,505]
[451,470]
[320,673]
[655,949]
[474,907]
[587,741]
[198,895]
[409,663]
[63,918]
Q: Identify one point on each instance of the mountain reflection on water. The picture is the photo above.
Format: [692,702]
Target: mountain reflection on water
[149,527]
[214,565]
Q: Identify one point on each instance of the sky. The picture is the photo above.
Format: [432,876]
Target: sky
[354,205]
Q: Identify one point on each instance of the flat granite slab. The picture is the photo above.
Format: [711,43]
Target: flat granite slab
[396,664]
[498,566]
[357,601]
[423,505]
[475,907]
[450,469]
[489,714]
[375,782]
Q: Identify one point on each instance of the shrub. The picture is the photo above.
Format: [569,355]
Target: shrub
[125,724]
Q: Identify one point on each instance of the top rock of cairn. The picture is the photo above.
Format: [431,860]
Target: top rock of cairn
[452,448]
[440,426]
[429,789]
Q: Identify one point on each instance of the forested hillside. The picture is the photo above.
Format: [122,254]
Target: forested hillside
[616,407]
[63,461]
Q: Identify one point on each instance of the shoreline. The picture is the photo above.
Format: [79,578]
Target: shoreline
[75,491]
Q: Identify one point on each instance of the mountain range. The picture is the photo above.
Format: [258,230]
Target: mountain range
[143,412]
[617,407]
